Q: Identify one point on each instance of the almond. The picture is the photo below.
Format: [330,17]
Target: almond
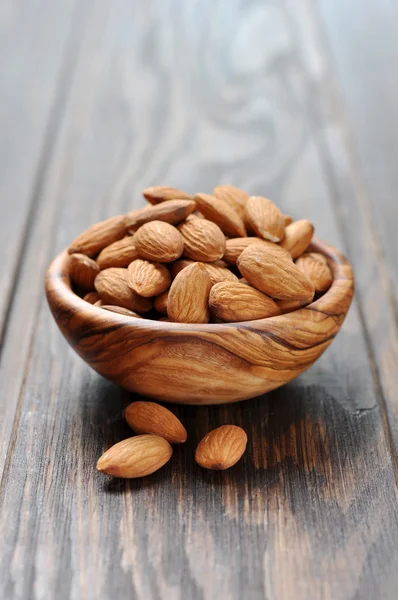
[160,303]
[121,311]
[83,271]
[265,218]
[317,256]
[317,272]
[92,297]
[98,236]
[118,254]
[235,246]
[159,241]
[203,240]
[219,274]
[148,278]
[221,448]
[195,215]
[236,301]
[135,457]
[189,295]
[172,212]
[98,303]
[288,220]
[179,265]
[112,286]
[150,417]
[271,272]
[234,196]
[287,306]
[221,213]
[160,193]
[298,236]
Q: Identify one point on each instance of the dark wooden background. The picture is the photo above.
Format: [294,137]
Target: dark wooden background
[297,100]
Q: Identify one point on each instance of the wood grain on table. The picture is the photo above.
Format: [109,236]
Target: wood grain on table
[100,100]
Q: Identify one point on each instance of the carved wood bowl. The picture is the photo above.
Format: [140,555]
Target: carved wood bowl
[201,364]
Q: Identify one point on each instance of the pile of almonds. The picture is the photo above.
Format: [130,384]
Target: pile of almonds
[225,257]
[157,428]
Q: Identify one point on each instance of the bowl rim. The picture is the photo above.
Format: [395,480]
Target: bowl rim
[61,296]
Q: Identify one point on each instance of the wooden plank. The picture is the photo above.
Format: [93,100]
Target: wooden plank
[311,511]
[362,38]
[32,45]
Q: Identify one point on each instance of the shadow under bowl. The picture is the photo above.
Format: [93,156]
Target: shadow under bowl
[201,364]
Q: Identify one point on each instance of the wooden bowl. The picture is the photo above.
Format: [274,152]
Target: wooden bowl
[201,364]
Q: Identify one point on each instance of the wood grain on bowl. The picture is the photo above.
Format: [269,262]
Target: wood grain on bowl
[201,364]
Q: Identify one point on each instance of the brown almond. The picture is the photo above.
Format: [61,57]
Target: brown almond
[317,272]
[203,240]
[265,218]
[219,274]
[195,215]
[287,306]
[179,265]
[161,193]
[235,246]
[189,295]
[120,310]
[297,238]
[83,271]
[112,286]
[173,212]
[160,303]
[234,196]
[273,274]
[235,301]
[118,254]
[288,220]
[135,457]
[159,241]
[221,448]
[221,213]
[148,278]
[150,417]
[317,256]
[92,297]
[98,236]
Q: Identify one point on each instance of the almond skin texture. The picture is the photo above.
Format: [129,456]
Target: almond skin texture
[159,241]
[203,240]
[234,196]
[118,254]
[235,301]
[316,271]
[287,306]
[235,246]
[161,193]
[92,297]
[98,236]
[189,295]
[160,303]
[121,311]
[221,213]
[112,286]
[317,256]
[83,271]
[273,274]
[265,218]
[150,417]
[179,265]
[147,278]
[297,238]
[173,212]
[135,457]
[218,274]
[221,448]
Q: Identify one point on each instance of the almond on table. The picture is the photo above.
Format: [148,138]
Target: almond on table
[221,448]
[150,417]
[135,457]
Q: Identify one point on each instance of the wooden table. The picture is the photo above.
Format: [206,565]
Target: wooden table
[294,100]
